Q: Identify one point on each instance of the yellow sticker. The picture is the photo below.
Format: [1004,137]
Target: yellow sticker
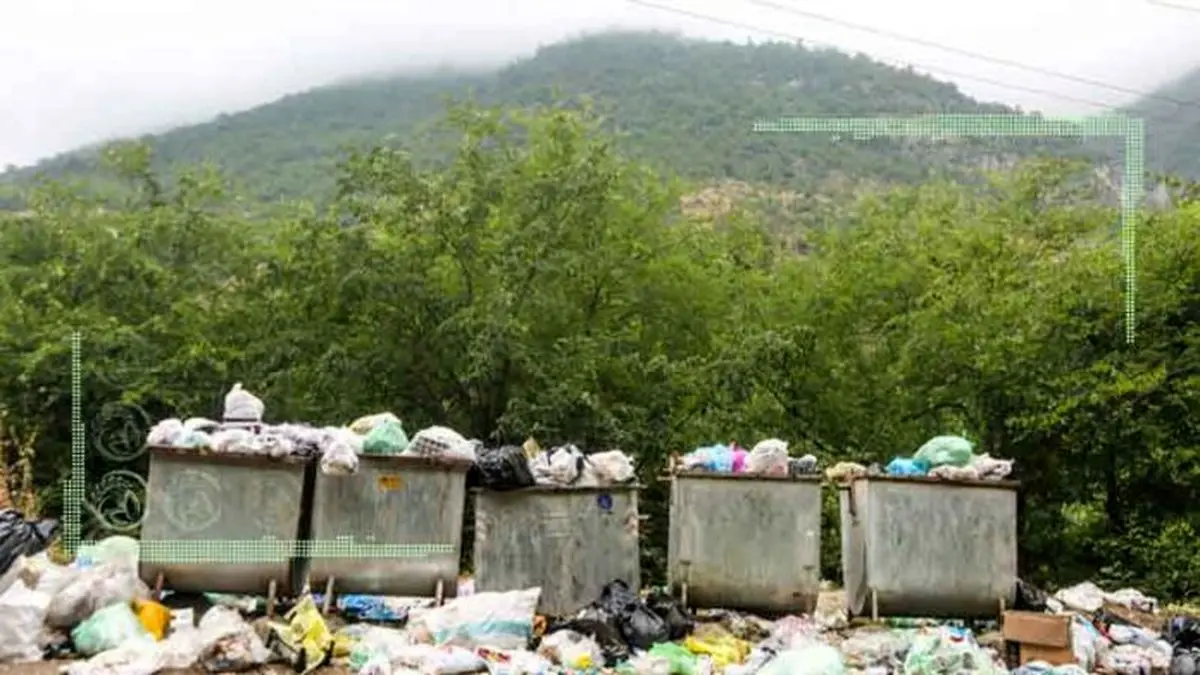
[387,483]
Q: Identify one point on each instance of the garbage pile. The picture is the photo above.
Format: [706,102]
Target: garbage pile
[767,458]
[511,467]
[950,458]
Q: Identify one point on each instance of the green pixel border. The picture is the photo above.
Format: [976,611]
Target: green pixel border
[1131,131]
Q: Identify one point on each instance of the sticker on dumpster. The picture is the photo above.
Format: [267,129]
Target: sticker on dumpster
[390,482]
[604,501]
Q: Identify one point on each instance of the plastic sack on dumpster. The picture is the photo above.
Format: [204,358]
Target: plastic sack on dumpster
[339,452]
[902,466]
[499,620]
[387,438]
[242,406]
[612,467]
[365,424]
[107,629]
[769,458]
[943,450]
[22,611]
[165,433]
[503,468]
[441,442]
[19,537]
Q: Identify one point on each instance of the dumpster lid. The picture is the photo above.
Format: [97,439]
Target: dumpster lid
[929,480]
[211,457]
[715,475]
[456,464]
[615,487]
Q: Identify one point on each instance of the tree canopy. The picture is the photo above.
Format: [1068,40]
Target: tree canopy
[544,283]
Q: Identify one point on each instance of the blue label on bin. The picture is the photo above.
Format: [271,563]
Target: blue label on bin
[604,501]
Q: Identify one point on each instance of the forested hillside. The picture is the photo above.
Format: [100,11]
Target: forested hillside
[682,105]
[1172,116]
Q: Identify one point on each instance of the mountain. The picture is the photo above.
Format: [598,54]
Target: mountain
[681,104]
[1172,119]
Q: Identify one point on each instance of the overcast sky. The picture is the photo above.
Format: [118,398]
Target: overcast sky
[74,72]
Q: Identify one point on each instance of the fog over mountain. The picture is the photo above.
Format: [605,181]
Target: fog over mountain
[77,72]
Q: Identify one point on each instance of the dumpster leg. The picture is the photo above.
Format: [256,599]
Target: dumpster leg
[158,586]
[1002,608]
[439,593]
[328,602]
[874,606]
[683,594]
[271,600]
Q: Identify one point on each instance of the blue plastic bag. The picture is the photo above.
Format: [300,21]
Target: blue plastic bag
[903,466]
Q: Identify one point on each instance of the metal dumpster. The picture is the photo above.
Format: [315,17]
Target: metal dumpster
[569,541]
[403,514]
[917,546]
[223,523]
[745,542]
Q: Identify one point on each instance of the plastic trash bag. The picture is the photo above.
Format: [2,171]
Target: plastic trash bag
[571,650]
[155,618]
[228,643]
[990,468]
[680,661]
[306,639]
[387,438]
[242,406]
[22,611]
[725,650]
[165,433]
[948,650]
[441,442]
[950,472]
[946,450]
[500,469]
[107,629]
[339,452]
[803,466]
[640,626]
[769,457]
[598,626]
[844,472]
[365,424]
[20,537]
[499,620]
[715,458]
[814,659]
[87,591]
[903,466]
[679,622]
[612,467]
[115,550]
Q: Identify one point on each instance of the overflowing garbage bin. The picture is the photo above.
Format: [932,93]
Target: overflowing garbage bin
[919,546]
[745,541]
[569,541]
[223,522]
[392,528]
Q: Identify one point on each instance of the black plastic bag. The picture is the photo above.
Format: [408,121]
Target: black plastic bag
[20,537]
[673,613]
[639,625]
[502,468]
[1030,598]
[598,625]
[1183,632]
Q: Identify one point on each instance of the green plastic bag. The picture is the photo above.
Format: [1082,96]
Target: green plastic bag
[387,438]
[946,450]
[682,661]
[108,629]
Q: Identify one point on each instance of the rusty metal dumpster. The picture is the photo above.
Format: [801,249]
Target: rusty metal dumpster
[223,522]
[917,546]
[745,541]
[392,528]
[569,541]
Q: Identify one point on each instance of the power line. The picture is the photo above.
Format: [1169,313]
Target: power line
[789,36]
[816,16]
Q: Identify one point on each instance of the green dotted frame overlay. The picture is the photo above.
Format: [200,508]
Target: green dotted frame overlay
[228,552]
[1132,131]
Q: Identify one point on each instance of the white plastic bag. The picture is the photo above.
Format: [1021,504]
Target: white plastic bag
[340,451]
[497,620]
[769,458]
[92,589]
[612,467]
[815,659]
[22,611]
[242,406]
[165,433]
[565,465]
[109,628]
[572,650]
[441,442]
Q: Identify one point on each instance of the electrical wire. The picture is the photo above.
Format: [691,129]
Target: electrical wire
[816,16]
[933,69]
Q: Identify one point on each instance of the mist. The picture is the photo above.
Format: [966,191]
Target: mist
[78,72]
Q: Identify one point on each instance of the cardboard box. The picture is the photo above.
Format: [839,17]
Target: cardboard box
[1040,637]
